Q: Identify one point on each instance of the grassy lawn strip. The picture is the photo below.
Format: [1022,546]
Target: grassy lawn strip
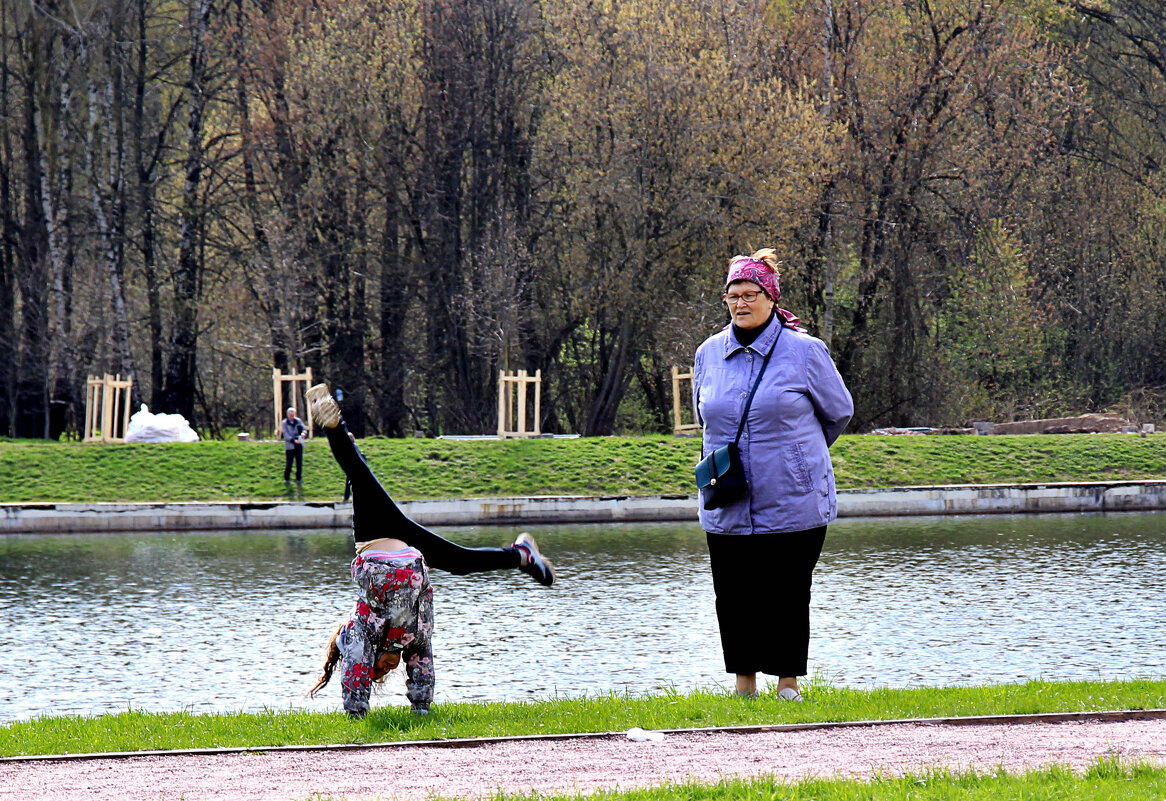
[135,730]
[1108,780]
[34,471]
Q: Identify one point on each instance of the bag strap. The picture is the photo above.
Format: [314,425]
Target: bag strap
[757,383]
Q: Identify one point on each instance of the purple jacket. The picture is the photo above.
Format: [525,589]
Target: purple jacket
[800,408]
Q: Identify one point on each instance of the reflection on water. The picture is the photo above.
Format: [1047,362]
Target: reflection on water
[222,622]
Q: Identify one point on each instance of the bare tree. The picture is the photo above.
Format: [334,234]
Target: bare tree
[181,366]
[9,229]
[150,125]
[34,36]
[99,45]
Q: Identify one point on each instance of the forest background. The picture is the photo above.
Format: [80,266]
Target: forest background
[407,196]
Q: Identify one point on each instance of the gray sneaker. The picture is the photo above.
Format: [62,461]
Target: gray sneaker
[790,694]
[533,562]
[322,406]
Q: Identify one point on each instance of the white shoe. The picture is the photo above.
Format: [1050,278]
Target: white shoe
[790,694]
[532,562]
[322,406]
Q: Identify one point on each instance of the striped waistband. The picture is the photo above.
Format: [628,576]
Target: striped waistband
[402,555]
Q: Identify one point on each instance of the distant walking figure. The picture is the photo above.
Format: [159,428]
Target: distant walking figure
[763,547]
[292,430]
[393,616]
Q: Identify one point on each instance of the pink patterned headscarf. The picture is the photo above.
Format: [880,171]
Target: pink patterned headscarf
[747,268]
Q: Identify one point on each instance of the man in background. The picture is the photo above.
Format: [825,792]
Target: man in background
[292,430]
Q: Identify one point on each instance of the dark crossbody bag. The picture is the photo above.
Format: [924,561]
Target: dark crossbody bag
[720,476]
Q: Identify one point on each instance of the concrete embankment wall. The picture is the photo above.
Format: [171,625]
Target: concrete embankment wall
[1120,496]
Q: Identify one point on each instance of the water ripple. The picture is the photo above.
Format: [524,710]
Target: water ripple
[237,621]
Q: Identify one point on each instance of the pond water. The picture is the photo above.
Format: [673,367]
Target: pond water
[237,621]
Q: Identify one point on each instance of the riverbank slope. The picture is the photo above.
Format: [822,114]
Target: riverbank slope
[826,704]
[427,469]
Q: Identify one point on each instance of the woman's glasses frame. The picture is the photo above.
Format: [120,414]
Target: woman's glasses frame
[748,297]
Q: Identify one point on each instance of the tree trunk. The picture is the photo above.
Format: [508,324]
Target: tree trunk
[105,161]
[343,292]
[145,163]
[615,379]
[56,190]
[34,273]
[182,364]
[393,303]
[9,235]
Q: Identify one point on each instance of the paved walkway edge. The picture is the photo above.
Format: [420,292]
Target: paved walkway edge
[1110,496]
[1114,715]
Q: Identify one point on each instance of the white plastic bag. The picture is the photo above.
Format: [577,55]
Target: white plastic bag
[638,735]
[147,427]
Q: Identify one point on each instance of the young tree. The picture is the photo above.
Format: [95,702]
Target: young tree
[991,331]
[665,150]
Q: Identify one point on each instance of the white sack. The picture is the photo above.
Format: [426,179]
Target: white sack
[147,427]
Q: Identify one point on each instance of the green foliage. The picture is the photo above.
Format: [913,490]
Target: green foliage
[990,336]
[135,730]
[33,471]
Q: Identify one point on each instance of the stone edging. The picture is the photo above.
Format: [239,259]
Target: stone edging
[1113,496]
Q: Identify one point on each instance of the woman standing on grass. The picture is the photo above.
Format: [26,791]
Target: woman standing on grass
[393,616]
[764,546]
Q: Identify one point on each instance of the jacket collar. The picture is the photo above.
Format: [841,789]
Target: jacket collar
[763,344]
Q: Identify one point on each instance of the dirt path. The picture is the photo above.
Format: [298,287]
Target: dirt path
[581,765]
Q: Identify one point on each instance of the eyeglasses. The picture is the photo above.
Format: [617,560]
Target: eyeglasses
[748,297]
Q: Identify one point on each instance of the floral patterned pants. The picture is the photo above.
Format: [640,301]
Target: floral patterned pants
[393,614]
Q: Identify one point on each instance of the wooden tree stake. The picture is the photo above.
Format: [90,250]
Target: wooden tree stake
[679,427]
[295,396]
[107,408]
[512,415]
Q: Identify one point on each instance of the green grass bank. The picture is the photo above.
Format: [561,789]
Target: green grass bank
[136,730]
[36,471]
[1107,780]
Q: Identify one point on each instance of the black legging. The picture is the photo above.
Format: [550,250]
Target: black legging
[375,515]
